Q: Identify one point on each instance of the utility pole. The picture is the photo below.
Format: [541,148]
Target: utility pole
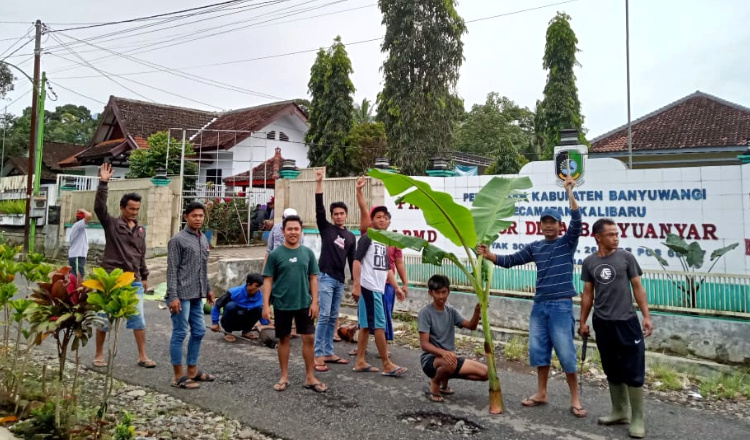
[627,63]
[5,128]
[32,137]
[39,151]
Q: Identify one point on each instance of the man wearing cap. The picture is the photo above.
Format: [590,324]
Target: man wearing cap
[336,249]
[276,236]
[551,324]
[79,245]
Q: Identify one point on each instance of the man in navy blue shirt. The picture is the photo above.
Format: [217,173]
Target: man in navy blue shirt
[551,324]
[243,306]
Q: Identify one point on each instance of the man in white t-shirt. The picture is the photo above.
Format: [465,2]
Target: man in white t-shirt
[79,245]
[370,273]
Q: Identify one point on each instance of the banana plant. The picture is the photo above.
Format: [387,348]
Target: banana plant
[691,257]
[463,227]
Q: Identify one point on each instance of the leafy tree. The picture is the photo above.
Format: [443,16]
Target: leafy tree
[418,104]
[560,108]
[507,160]
[304,105]
[6,80]
[145,162]
[362,112]
[366,142]
[67,123]
[331,110]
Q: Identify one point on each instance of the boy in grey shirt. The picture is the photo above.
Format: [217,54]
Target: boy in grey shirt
[437,337]
[79,244]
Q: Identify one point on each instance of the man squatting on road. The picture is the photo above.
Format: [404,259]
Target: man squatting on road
[242,309]
[551,323]
[608,275]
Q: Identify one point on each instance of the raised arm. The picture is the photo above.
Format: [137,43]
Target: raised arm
[320,209]
[574,227]
[364,215]
[102,191]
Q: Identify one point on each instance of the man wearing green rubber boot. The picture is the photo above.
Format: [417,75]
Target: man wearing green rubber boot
[608,276]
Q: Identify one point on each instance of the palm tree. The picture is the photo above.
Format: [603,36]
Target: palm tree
[363,112]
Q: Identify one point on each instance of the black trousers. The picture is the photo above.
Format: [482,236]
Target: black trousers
[236,318]
[622,350]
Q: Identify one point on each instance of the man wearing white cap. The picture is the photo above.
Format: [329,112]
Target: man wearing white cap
[276,236]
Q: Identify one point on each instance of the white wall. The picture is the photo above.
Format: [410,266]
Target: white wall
[714,214]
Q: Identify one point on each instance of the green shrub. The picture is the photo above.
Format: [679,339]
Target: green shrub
[17,206]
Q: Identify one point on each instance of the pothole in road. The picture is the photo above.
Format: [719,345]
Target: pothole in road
[439,422]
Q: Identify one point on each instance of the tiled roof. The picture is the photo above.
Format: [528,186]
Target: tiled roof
[265,172]
[247,120]
[101,149]
[697,120]
[54,152]
[146,118]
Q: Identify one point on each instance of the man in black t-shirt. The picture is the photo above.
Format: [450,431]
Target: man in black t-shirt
[336,249]
[608,275]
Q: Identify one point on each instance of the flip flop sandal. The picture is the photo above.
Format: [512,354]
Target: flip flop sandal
[354,352]
[147,363]
[446,391]
[396,372]
[319,387]
[281,386]
[230,338]
[321,368]
[530,403]
[337,360]
[367,369]
[435,398]
[578,411]
[186,383]
[337,339]
[200,376]
[99,363]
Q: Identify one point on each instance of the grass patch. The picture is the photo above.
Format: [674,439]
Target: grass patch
[516,349]
[665,378]
[404,317]
[726,386]
[12,206]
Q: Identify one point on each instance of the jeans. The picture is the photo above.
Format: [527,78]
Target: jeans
[236,318]
[330,291]
[552,325]
[389,299]
[191,313]
[77,267]
[135,322]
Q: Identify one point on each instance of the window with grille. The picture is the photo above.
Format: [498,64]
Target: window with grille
[213,175]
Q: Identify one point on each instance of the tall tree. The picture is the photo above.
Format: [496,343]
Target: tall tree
[144,162]
[331,110]
[560,108]
[68,123]
[418,104]
[6,80]
[366,141]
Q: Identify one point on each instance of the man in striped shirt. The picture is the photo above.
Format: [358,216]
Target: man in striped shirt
[551,324]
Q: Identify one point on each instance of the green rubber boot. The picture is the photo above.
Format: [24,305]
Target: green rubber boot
[637,425]
[620,413]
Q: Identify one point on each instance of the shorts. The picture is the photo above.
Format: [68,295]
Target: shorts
[135,322]
[552,325]
[370,311]
[301,318]
[428,365]
[622,350]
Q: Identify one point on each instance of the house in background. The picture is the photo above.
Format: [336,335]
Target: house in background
[225,143]
[52,154]
[697,130]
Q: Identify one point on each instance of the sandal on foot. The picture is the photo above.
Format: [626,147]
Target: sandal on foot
[99,363]
[436,398]
[366,369]
[281,386]
[319,387]
[230,338]
[396,372]
[321,368]
[186,383]
[200,376]
[578,411]
[148,363]
[336,360]
[446,390]
[531,402]
[337,338]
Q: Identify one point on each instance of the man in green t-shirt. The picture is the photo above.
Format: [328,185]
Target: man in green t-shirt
[291,285]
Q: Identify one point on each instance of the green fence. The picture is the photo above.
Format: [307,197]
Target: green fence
[715,294]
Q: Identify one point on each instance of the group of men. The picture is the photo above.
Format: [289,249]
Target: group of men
[302,288]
